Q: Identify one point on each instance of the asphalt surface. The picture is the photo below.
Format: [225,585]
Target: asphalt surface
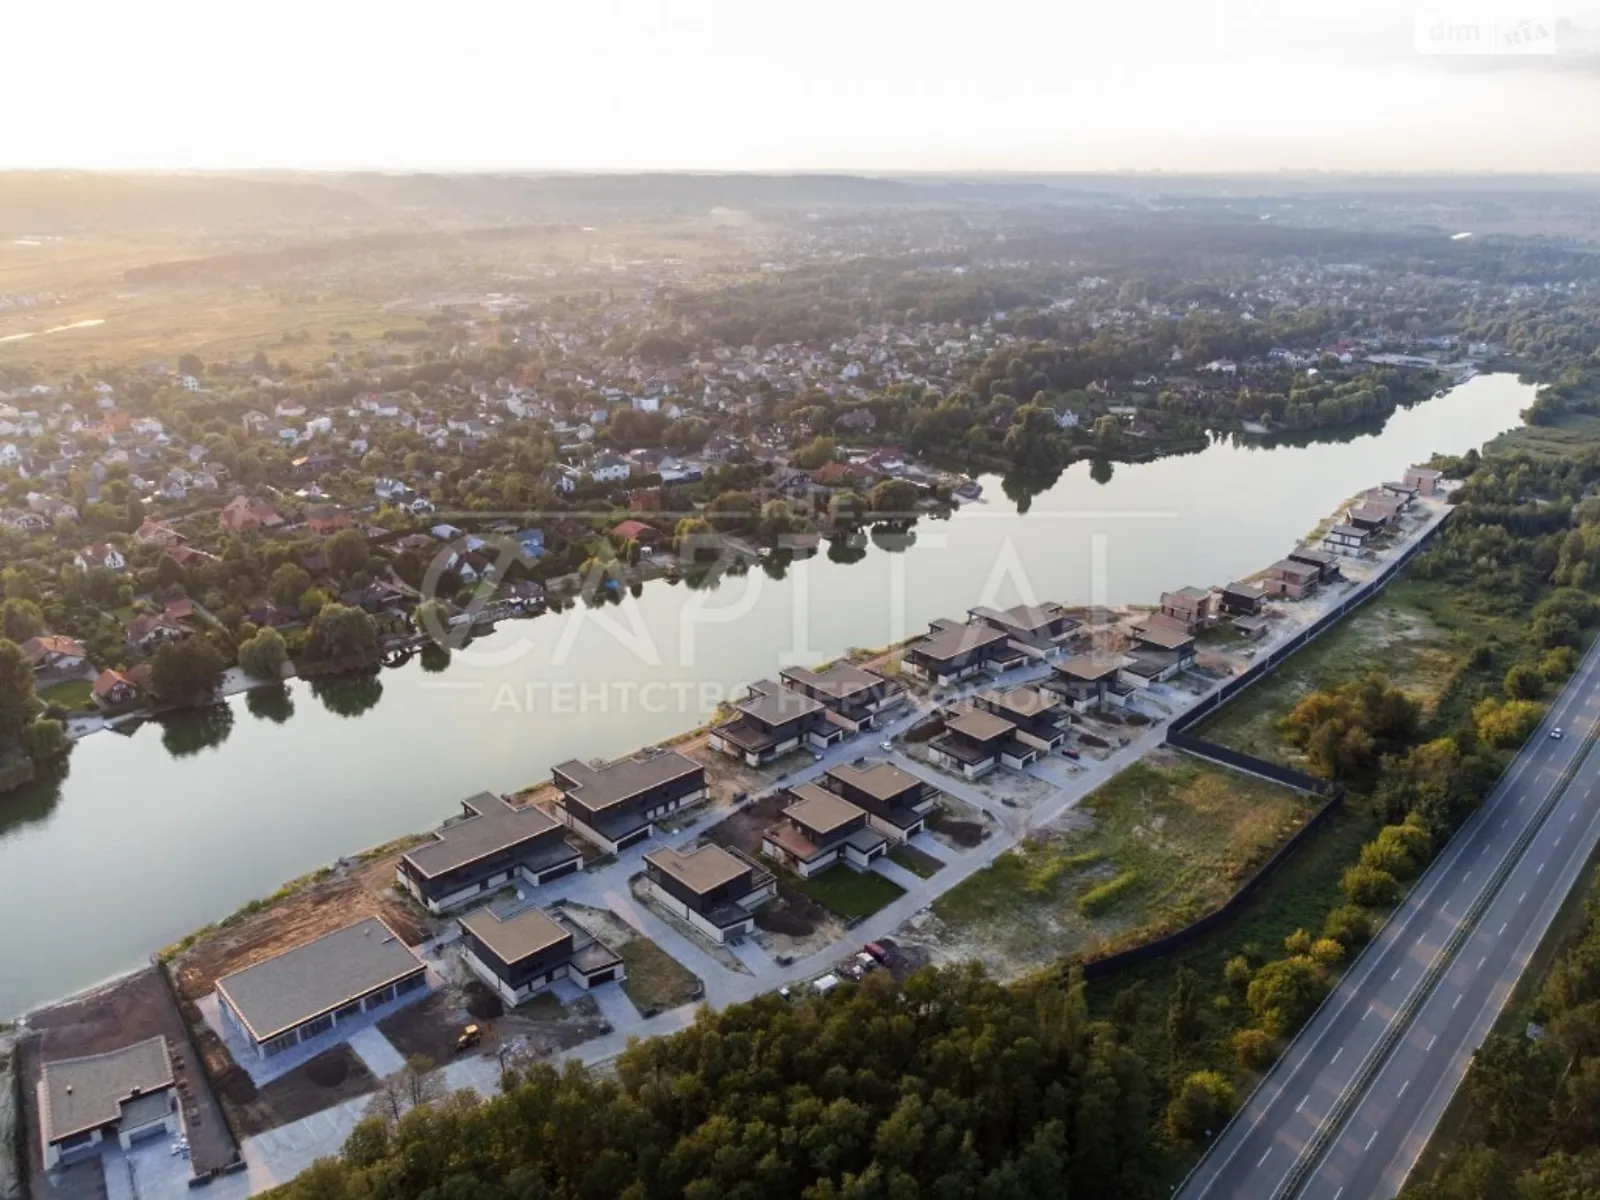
[1351,1104]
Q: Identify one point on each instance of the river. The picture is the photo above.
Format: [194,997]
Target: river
[152,834]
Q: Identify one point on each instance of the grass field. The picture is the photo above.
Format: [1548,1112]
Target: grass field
[656,981]
[74,693]
[1572,434]
[1417,633]
[847,893]
[1163,843]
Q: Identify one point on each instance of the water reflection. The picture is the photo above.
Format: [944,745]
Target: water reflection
[349,695]
[33,801]
[196,729]
[273,704]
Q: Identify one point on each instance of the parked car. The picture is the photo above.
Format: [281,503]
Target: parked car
[877,952]
[1556,734]
[1070,753]
[886,746]
[825,984]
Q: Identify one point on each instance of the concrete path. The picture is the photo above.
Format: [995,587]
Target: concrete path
[756,960]
[377,1052]
[895,873]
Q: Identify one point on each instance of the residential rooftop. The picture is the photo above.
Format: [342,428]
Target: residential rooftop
[1089,667]
[318,976]
[950,639]
[605,787]
[86,1093]
[1023,701]
[772,704]
[1166,638]
[1025,618]
[979,725]
[497,825]
[516,937]
[820,810]
[882,781]
[840,681]
[702,870]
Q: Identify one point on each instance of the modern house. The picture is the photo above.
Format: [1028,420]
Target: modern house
[1326,562]
[1424,479]
[1088,682]
[715,890]
[1037,714]
[1404,493]
[974,742]
[127,1094]
[519,953]
[819,829]
[896,802]
[772,722]
[1370,514]
[1241,599]
[951,652]
[616,805]
[292,997]
[1291,579]
[854,696]
[1042,628]
[1169,644]
[1346,539]
[1188,607]
[492,845]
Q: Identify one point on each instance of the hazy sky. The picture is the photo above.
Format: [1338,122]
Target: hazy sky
[806,84]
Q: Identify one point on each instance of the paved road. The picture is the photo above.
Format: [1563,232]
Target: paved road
[1351,1104]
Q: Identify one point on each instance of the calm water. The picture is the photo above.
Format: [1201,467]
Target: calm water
[153,834]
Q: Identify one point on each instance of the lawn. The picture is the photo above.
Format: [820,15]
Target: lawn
[918,862]
[1160,845]
[1419,633]
[656,981]
[70,694]
[848,893]
[1572,434]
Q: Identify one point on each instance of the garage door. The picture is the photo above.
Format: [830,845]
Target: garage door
[602,976]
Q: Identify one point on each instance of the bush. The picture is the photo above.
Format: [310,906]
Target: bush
[1284,993]
[1237,972]
[1327,951]
[1298,942]
[1200,1106]
[1098,899]
[1254,1049]
[1370,887]
[1558,663]
[1505,724]
[1348,925]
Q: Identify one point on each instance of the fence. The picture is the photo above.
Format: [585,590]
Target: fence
[1180,739]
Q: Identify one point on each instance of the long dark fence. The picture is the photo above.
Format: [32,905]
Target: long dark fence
[1179,738]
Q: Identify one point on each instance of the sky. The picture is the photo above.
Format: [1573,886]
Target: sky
[877,85]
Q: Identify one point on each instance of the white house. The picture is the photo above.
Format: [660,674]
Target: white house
[101,554]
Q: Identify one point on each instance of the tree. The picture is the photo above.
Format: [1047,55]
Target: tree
[288,583]
[20,620]
[815,453]
[341,632]
[183,671]
[1523,682]
[190,364]
[346,552]
[1254,1049]
[1370,887]
[847,507]
[1284,992]
[1349,925]
[1510,1084]
[264,654]
[1182,1011]
[1504,724]
[1200,1106]
[421,1085]
[896,498]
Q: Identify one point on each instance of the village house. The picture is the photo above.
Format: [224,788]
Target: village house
[854,696]
[1039,628]
[1294,580]
[147,633]
[1424,479]
[520,951]
[615,806]
[1346,539]
[818,829]
[1188,608]
[51,654]
[301,993]
[974,742]
[715,890]
[896,802]
[1241,599]
[244,515]
[492,845]
[952,651]
[100,555]
[773,721]
[1326,563]
[128,1094]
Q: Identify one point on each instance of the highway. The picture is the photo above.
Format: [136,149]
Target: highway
[1347,1110]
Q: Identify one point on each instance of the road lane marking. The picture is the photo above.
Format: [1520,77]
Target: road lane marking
[1263,1157]
[1572,818]
[1339,1193]
[1302,1103]
[1557,842]
[1372,1139]
[1522,897]
[1505,822]
[1481,961]
[1458,1001]
[1502,932]
[1538,871]
[1466,877]
[1368,1013]
[1395,976]
[1336,1054]
[1435,1037]
[1402,1090]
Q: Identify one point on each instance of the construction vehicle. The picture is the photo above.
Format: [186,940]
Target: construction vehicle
[470,1037]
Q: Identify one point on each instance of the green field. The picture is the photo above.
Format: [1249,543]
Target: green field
[1160,845]
[1572,434]
[1417,633]
[74,693]
[848,893]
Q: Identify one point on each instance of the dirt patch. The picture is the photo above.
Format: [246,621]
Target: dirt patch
[332,1077]
[794,926]
[958,824]
[743,828]
[299,914]
[537,1028]
[656,981]
[129,1010]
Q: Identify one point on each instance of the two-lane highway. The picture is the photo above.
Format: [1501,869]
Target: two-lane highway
[1348,1107]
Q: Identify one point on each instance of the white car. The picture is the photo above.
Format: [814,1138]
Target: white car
[1556,734]
[886,746]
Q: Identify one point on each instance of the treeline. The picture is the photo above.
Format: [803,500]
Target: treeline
[945,1085]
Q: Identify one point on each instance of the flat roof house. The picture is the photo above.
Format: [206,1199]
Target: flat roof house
[1241,599]
[974,742]
[1424,479]
[715,890]
[1042,627]
[615,806]
[1037,714]
[853,696]
[1326,562]
[772,722]
[1089,681]
[1405,493]
[1370,515]
[951,651]
[1188,607]
[819,829]
[494,844]
[1346,539]
[896,802]
[128,1094]
[1292,579]
[519,953]
[292,997]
